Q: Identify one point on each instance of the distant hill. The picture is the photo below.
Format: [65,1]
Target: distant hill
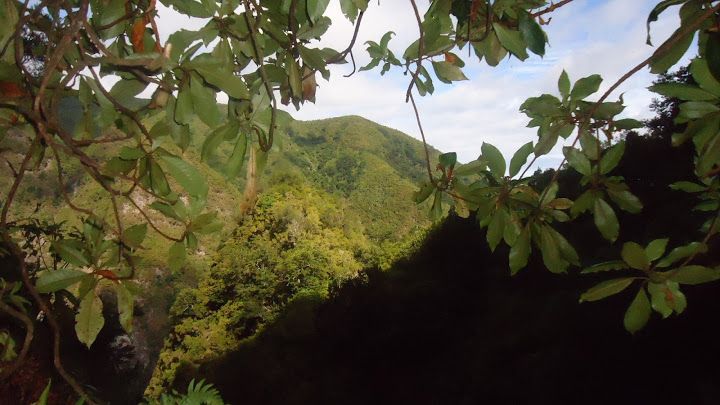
[334,197]
[375,168]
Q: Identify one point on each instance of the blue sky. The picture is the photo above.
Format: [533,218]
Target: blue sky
[586,37]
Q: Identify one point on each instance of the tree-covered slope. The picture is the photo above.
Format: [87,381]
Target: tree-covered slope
[374,168]
[334,196]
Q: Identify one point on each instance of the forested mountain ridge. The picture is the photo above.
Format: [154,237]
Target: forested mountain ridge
[334,196]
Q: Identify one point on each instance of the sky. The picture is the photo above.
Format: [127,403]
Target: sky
[606,37]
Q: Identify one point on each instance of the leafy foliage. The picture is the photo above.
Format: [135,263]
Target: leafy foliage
[261,53]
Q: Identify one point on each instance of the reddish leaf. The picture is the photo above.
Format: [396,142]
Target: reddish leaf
[450,58]
[107,274]
[137,35]
[309,85]
[11,90]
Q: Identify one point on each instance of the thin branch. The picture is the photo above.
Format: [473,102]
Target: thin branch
[61,185]
[18,253]
[264,145]
[422,134]
[421,49]
[151,223]
[29,334]
[17,181]
[550,8]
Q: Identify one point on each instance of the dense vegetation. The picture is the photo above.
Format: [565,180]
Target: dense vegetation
[138,182]
[303,236]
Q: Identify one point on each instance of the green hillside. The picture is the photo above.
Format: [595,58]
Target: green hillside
[335,197]
[332,197]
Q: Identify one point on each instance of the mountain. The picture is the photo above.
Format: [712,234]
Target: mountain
[335,197]
[332,197]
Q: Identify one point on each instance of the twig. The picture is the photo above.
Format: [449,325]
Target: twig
[550,8]
[29,334]
[17,181]
[421,49]
[422,134]
[264,145]
[18,253]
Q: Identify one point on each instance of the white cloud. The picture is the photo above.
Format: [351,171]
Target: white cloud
[586,38]
[605,37]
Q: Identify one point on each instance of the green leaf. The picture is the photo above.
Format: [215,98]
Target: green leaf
[157,180]
[638,313]
[126,90]
[349,9]
[634,255]
[697,109]
[585,87]
[551,253]
[186,175]
[166,210]
[511,40]
[712,54]
[447,72]
[655,249]
[664,60]
[626,200]
[703,77]
[206,223]
[532,33]
[520,252]
[628,123]
[425,190]
[184,112]
[227,131]
[204,103]
[436,209]
[293,72]
[55,280]
[682,91]
[666,298]
[688,187]
[520,158]
[606,289]
[223,80]
[546,143]
[89,319]
[494,159]
[564,85]
[235,163]
[316,8]
[45,394]
[694,275]
[567,251]
[577,160]
[608,110]
[176,256]
[496,229]
[71,251]
[605,220]
[474,167]
[655,13]
[125,306]
[605,266]
[682,252]
[448,160]
[549,194]
[134,235]
[583,203]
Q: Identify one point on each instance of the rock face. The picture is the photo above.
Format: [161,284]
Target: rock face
[119,364]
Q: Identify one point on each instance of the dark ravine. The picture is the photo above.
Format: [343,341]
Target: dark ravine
[450,325]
